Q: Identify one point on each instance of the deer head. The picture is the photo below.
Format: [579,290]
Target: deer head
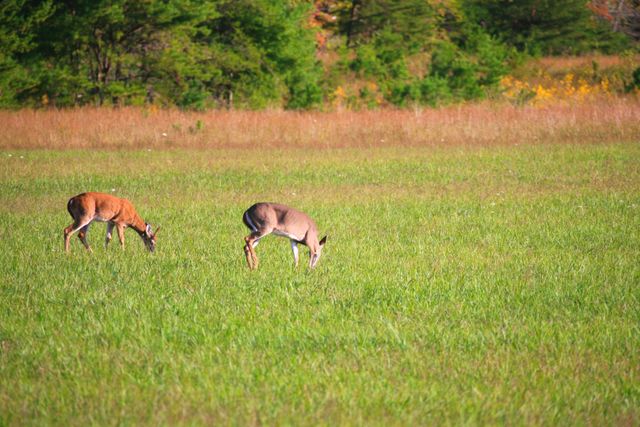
[149,237]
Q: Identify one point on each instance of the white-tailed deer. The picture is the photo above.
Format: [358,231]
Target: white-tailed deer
[266,218]
[88,207]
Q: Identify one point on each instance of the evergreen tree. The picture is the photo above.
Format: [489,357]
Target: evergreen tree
[19,24]
[192,53]
[414,21]
[542,26]
[460,59]
[262,54]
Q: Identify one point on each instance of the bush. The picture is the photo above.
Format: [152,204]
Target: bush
[194,98]
[635,81]
[435,91]
[492,59]
[448,62]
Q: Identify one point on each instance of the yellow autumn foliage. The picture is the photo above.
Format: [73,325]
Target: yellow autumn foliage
[547,89]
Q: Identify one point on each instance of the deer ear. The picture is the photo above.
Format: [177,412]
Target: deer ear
[157,229]
[323,241]
[148,229]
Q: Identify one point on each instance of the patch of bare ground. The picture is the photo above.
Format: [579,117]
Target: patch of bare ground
[605,121]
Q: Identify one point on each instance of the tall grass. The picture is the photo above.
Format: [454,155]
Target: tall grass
[614,120]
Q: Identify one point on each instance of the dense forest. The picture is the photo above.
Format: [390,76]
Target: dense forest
[292,54]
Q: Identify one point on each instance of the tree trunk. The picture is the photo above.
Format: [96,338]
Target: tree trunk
[352,18]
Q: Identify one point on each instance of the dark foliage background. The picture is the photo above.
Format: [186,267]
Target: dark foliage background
[254,54]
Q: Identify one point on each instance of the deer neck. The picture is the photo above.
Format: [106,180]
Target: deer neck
[312,243]
[138,224]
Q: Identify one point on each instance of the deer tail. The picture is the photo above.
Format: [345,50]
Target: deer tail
[70,205]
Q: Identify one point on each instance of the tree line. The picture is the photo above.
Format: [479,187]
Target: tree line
[255,54]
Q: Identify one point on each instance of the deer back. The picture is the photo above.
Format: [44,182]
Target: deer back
[103,207]
[283,220]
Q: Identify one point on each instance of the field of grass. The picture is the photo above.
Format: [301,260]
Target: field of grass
[461,283]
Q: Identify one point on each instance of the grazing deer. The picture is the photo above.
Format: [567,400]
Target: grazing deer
[266,218]
[88,207]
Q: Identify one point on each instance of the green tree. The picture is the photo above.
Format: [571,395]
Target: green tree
[191,53]
[451,59]
[414,21]
[543,26]
[262,53]
[19,24]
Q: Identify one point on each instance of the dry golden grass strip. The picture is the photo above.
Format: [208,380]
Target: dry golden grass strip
[605,121]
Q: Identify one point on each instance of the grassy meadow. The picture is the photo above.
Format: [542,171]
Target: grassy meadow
[481,268]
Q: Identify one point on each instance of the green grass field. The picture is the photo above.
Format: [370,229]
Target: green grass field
[459,285]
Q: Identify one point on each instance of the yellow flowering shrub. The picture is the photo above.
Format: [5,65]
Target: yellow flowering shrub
[547,89]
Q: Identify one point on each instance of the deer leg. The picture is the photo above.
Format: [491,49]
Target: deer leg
[68,232]
[120,230]
[108,238]
[82,235]
[250,253]
[251,241]
[294,249]
[252,248]
[67,235]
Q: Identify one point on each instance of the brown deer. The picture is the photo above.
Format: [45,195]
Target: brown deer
[88,207]
[266,218]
